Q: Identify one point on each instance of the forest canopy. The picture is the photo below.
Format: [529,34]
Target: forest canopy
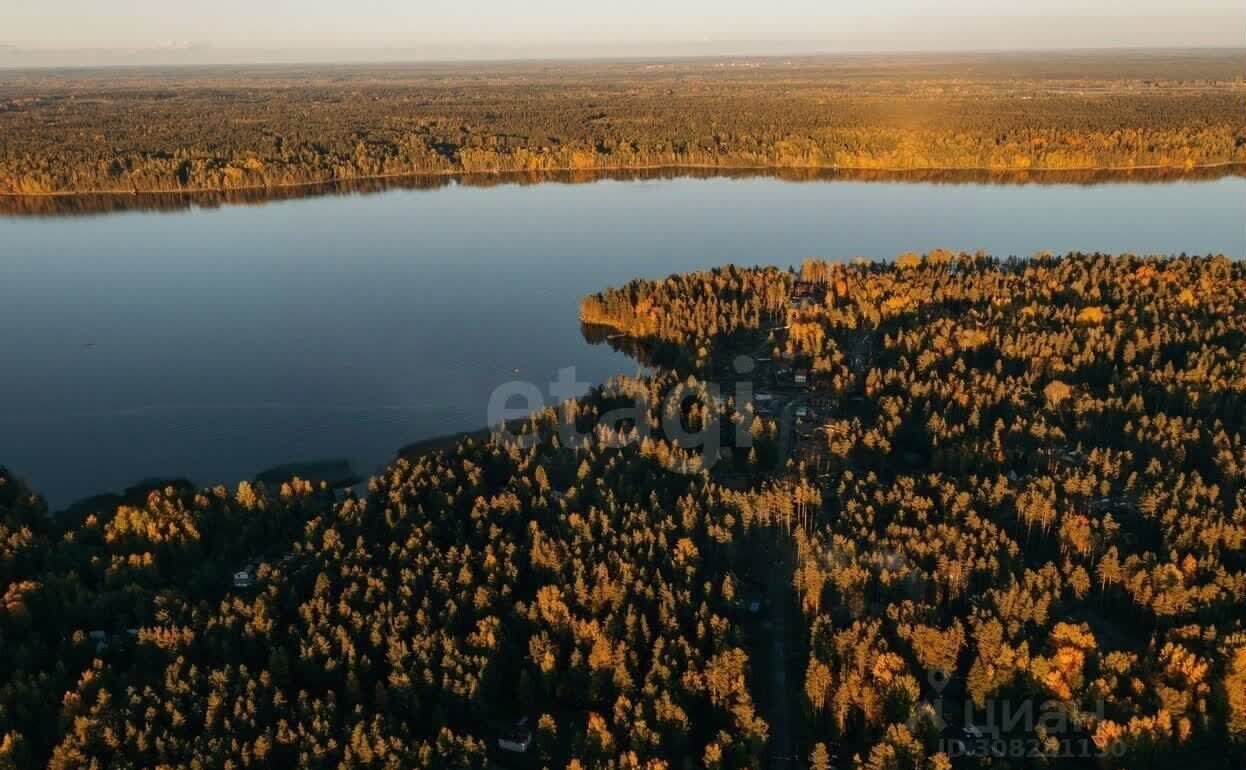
[1027,486]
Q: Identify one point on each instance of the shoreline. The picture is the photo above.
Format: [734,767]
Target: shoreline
[103,203]
[1179,171]
[274,476]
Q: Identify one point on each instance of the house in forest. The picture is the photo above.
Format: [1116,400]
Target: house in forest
[804,290]
[517,738]
[801,377]
[100,638]
[244,578]
[103,639]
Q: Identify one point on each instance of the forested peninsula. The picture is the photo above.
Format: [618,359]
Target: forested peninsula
[972,486]
[221,129]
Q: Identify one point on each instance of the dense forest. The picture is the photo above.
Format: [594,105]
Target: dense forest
[1025,494]
[1032,496]
[587,589]
[124,130]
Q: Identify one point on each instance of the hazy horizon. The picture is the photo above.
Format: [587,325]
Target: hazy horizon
[137,32]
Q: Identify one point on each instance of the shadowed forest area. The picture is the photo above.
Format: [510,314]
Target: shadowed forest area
[220,129]
[1024,483]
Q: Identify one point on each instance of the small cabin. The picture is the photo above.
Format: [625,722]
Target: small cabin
[517,738]
[804,289]
[801,377]
[100,638]
[968,741]
[244,578]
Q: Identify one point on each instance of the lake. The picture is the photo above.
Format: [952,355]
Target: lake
[213,343]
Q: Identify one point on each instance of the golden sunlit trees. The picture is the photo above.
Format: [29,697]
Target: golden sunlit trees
[1022,505]
[122,131]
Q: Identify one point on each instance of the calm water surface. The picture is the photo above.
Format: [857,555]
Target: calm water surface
[214,343]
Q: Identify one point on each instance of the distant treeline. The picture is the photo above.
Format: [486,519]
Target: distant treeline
[226,130]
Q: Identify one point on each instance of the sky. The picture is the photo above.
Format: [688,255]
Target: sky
[134,31]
